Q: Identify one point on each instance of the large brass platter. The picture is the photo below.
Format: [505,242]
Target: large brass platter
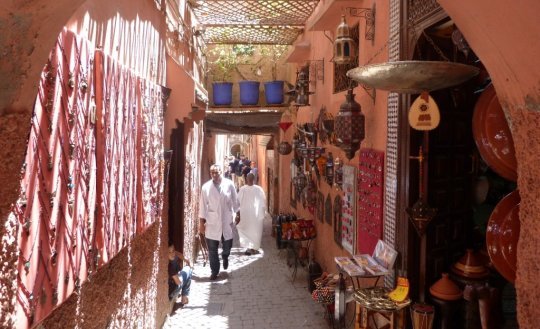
[412,77]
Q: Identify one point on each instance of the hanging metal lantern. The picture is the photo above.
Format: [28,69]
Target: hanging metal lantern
[311,193]
[338,172]
[329,169]
[344,45]
[302,88]
[300,182]
[321,166]
[284,148]
[350,125]
[295,141]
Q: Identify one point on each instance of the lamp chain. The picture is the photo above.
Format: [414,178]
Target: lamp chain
[437,49]
[391,38]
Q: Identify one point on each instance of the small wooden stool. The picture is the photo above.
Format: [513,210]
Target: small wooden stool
[373,315]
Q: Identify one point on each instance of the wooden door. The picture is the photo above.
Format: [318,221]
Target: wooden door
[449,152]
[176,188]
[449,173]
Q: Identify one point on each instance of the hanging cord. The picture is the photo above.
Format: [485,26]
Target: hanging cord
[437,49]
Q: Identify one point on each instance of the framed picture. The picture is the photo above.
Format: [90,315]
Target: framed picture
[337,220]
[292,196]
[348,210]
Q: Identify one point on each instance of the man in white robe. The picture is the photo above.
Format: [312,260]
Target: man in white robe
[251,216]
[218,203]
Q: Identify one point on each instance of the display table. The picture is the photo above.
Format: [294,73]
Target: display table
[358,280]
[374,310]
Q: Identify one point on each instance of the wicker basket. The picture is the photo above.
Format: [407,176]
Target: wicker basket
[324,295]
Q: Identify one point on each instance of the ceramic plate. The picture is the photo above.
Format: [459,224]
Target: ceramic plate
[510,234]
[497,241]
[493,136]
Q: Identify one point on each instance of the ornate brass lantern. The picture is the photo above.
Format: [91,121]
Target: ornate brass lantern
[350,125]
[344,45]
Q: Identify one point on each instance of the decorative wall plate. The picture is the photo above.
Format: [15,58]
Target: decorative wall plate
[493,136]
[502,235]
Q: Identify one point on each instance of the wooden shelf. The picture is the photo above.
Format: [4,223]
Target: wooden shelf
[247,108]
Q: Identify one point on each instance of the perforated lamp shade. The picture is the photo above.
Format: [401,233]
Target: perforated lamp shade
[350,126]
[344,46]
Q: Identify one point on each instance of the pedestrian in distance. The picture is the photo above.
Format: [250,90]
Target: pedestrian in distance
[250,218]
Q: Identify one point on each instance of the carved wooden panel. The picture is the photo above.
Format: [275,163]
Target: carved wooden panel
[422,8]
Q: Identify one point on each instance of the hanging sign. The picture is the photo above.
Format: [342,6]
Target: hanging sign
[424,113]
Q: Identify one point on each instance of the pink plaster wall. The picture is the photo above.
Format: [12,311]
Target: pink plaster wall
[181,99]
[131,289]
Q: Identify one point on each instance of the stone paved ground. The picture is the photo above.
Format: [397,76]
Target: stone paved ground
[255,292]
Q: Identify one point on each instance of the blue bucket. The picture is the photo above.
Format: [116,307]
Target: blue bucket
[273,92]
[222,93]
[249,92]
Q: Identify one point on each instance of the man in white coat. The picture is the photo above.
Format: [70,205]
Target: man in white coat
[218,203]
[251,216]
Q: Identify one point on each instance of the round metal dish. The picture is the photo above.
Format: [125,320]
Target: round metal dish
[412,77]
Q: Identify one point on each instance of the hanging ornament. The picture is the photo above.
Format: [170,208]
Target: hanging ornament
[284,148]
[421,213]
[284,125]
[350,125]
[424,113]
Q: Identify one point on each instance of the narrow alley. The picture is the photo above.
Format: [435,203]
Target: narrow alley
[394,143]
[254,292]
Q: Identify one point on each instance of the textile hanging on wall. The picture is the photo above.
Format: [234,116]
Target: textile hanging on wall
[56,206]
[92,176]
[151,158]
[118,130]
